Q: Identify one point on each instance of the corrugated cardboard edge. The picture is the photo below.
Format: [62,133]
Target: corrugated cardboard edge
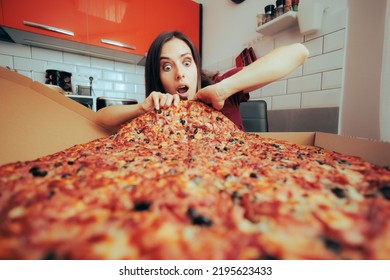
[377,152]
[301,138]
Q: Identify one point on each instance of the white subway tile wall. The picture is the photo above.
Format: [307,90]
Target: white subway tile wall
[316,84]
[110,78]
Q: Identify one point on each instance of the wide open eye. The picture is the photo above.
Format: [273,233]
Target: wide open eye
[167,67]
[187,62]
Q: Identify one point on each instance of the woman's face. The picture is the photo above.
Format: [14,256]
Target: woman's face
[178,71]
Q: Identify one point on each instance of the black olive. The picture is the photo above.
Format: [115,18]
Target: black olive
[235,196]
[37,172]
[331,244]
[142,205]
[198,219]
[51,194]
[253,175]
[196,131]
[66,175]
[183,121]
[340,193]
[385,191]
[50,255]
[343,161]
[295,167]
[270,257]
[81,168]
[218,119]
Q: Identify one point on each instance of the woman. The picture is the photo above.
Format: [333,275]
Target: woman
[173,72]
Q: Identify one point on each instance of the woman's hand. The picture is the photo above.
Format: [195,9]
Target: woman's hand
[212,94]
[158,100]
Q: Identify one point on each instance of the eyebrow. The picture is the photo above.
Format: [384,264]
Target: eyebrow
[184,54]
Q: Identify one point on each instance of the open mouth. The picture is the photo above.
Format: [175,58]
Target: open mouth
[182,89]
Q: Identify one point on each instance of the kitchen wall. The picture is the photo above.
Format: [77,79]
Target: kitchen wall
[321,82]
[110,78]
[316,84]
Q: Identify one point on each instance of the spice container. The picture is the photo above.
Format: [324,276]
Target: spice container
[279,10]
[269,12]
[287,6]
[295,4]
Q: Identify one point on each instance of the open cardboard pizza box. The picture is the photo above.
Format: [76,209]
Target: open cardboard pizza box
[36,120]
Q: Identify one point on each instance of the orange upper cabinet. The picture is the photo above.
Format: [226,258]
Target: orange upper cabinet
[117,24]
[168,15]
[65,19]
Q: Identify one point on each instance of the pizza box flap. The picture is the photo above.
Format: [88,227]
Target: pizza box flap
[377,152]
[36,120]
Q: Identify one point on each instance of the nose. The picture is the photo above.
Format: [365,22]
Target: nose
[179,73]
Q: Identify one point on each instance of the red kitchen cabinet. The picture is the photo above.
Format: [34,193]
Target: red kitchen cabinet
[168,15]
[1,14]
[117,24]
[66,19]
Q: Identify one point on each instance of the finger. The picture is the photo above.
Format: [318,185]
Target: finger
[163,100]
[169,100]
[176,100]
[156,101]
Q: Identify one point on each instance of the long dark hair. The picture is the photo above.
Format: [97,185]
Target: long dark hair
[152,66]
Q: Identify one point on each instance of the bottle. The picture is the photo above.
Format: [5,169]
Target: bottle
[295,4]
[287,6]
[279,8]
[269,12]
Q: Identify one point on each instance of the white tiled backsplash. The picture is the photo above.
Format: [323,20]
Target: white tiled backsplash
[110,78]
[319,82]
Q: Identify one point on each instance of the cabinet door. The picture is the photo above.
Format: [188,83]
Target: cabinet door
[65,19]
[117,24]
[1,14]
[169,15]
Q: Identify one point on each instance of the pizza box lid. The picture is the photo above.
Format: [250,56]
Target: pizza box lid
[36,120]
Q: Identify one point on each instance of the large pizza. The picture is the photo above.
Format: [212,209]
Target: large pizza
[186,183]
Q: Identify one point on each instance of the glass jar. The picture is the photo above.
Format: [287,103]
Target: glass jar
[287,6]
[279,10]
[269,12]
[295,4]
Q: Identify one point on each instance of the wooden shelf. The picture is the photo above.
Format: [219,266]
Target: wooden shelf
[278,24]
